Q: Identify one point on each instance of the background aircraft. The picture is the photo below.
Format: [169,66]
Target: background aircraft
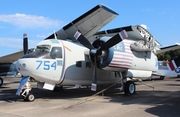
[163,69]
[8,62]
[174,65]
[73,56]
[7,65]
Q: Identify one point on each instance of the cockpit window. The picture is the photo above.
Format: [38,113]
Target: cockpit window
[43,48]
[56,52]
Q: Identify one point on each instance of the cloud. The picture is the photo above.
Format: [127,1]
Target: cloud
[17,43]
[29,21]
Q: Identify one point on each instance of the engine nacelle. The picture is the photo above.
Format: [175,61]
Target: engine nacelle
[116,58]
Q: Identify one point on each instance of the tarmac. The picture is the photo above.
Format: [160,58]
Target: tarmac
[156,98]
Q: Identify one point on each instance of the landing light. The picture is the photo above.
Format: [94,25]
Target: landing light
[24,65]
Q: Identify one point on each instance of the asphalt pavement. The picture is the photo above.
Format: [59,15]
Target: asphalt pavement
[156,98]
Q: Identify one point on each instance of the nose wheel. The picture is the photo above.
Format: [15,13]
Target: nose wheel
[26,94]
[30,97]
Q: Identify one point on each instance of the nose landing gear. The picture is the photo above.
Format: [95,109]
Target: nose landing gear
[24,90]
[27,96]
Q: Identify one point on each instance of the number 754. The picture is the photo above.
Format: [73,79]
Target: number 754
[47,65]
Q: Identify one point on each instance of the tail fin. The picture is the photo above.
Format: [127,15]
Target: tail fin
[172,65]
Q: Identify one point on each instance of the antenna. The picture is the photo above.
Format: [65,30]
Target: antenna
[55,35]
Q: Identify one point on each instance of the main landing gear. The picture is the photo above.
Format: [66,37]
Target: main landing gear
[27,96]
[129,88]
[1,81]
[127,84]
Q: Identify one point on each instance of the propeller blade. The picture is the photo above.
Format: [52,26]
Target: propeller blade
[78,36]
[94,80]
[114,40]
[25,43]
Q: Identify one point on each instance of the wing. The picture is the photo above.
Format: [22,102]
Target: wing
[168,48]
[135,32]
[11,57]
[88,24]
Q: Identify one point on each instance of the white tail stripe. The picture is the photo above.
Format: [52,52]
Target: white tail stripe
[173,62]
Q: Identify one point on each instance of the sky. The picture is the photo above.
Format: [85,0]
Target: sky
[41,18]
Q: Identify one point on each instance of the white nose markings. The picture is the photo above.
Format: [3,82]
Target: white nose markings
[22,67]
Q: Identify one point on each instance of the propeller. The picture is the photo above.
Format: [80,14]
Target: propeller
[98,51]
[25,49]
[25,43]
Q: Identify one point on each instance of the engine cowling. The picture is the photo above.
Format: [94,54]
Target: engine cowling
[114,58]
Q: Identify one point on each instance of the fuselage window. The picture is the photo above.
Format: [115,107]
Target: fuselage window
[56,52]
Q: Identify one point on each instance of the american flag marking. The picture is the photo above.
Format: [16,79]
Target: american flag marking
[123,56]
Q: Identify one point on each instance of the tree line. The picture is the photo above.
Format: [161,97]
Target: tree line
[170,55]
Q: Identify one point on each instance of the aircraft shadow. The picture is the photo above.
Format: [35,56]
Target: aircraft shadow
[168,108]
[9,95]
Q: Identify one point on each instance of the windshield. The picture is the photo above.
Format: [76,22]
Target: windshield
[56,52]
[43,48]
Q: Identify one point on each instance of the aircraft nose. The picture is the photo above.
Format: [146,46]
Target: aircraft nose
[22,67]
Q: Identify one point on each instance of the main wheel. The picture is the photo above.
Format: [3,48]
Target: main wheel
[30,97]
[129,88]
[1,82]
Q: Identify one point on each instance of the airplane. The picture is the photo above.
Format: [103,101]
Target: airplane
[78,55]
[7,66]
[163,68]
[164,71]
[8,62]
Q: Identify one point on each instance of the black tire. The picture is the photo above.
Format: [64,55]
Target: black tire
[161,77]
[178,76]
[30,97]
[129,88]
[1,82]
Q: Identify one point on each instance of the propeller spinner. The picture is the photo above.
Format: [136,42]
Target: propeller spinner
[98,51]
